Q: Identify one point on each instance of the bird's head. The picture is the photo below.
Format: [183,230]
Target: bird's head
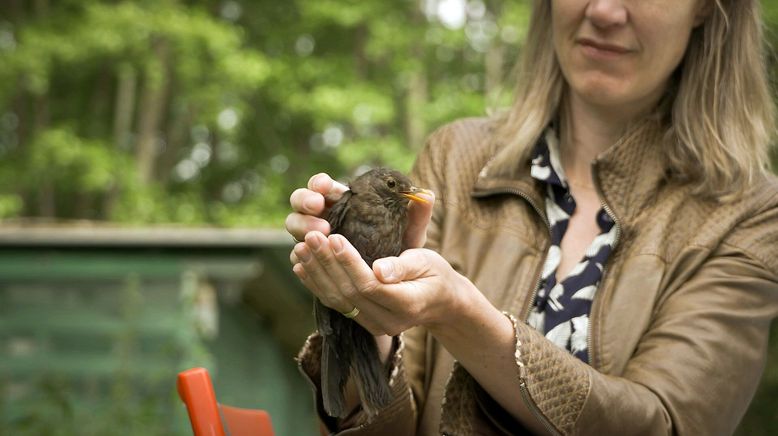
[390,185]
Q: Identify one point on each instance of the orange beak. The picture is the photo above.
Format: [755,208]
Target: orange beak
[412,195]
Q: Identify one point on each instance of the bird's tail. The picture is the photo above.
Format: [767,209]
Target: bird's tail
[333,374]
[371,378]
[335,360]
[333,379]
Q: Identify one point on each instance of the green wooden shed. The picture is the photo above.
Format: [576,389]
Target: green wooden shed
[95,323]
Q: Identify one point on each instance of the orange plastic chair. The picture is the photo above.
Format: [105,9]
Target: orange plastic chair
[209,418]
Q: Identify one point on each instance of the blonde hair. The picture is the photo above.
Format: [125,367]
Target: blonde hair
[721,118]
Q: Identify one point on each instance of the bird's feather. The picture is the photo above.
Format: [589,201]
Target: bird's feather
[338,211]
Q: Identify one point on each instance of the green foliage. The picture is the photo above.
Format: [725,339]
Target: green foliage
[71,162]
[10,205]
[213,111]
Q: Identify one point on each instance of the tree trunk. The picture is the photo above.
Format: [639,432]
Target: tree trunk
[416,98]
[495,58]
[210,176]
[82,206]
[177,136]
[416,95]
[125,103]
[41,7]
[42,115]
[47,201]
[152,102]
[100,103]
[14,10]
[361,35]
[21,108]
[495,63]
[127,81]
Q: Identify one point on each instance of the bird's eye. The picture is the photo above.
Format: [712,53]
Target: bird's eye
[391,183]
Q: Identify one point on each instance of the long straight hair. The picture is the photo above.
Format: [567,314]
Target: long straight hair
[721,113]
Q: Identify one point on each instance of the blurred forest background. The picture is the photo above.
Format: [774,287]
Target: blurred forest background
[210,112]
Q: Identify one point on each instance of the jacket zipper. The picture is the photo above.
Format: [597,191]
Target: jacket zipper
[522,377]
[534,409]
[542,215]
[617,223]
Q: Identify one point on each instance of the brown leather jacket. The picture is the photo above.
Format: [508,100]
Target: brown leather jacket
[678,327]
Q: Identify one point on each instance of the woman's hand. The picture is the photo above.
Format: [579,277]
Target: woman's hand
[310,206]
[307,222]
[416,288]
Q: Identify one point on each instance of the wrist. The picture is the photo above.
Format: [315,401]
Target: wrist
[458,302]
[473,321]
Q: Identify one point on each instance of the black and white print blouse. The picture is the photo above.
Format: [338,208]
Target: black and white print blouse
[561,309]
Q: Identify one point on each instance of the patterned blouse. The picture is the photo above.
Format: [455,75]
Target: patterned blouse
[561,309]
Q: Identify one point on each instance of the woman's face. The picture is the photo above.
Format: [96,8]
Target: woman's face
[621,52]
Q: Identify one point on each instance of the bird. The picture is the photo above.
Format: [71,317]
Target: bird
[372,216]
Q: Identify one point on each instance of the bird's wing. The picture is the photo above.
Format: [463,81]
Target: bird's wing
[338,212]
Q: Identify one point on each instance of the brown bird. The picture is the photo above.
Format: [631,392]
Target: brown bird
[372,215]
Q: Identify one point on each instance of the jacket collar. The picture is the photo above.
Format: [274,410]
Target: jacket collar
[627,174]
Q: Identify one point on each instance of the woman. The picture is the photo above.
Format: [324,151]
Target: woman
[622,208]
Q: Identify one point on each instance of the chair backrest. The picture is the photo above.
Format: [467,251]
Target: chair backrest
[209,418]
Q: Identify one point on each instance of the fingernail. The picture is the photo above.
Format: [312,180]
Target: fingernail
[314,241]
[387,270]
[299,272]
[303,254]
[336,244]
[317,182]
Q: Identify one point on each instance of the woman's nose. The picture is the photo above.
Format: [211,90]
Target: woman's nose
[606,13]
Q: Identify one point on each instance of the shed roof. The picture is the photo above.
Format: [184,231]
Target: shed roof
[98,235]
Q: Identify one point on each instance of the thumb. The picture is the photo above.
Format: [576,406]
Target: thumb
[419,216]
[410,265]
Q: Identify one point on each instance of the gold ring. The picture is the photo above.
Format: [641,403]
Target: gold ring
[353,314]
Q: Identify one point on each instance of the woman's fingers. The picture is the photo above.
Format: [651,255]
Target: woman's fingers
[310,204]
[307,202]
[393,306]
[298,225]
[311,273]
[293,257]
[326,186]
[335,287]
[419,216]
[390,300]
[321,292]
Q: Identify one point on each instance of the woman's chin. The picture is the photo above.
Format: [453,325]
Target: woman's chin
[605,91]
[605,96]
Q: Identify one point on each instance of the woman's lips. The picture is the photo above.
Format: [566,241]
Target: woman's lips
[599,49]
